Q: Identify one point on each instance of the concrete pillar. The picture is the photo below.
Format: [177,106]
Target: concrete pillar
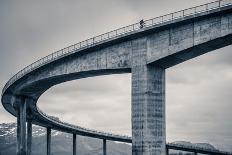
[29,136]
[104,146]
[74,144]
[148,104]
[21,127]
[167,151]
[48,141]
[18,133]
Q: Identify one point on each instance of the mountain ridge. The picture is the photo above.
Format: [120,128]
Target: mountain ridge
[62,143]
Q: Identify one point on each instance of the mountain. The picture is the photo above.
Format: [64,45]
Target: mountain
[185,143]
[61,143]
[200,145]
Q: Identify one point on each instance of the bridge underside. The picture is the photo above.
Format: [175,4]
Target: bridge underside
[190,53]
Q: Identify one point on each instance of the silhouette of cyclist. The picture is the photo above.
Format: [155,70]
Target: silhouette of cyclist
[142,23]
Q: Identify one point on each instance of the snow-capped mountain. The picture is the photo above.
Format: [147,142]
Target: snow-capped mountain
[62,143]
[7,129]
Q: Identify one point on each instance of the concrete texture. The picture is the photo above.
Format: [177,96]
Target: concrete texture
[191,39]
[148,104]
[21,128]
[74,144]
[29,136]
[104,146]
[48,141]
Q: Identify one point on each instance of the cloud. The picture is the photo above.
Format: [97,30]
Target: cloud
[198,99]
[92,102]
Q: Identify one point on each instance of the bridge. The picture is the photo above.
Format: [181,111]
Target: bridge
[145,50]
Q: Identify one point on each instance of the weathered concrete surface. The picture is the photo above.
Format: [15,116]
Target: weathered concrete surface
[29,136]
[21,128]
[186,41]
[74,144]
[110,60]
[48,141]
[104,147]
[148,104]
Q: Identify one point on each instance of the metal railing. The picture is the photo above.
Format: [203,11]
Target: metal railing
[117,33]
[83,129]
[128,138]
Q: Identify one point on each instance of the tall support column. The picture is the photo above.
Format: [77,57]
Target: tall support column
[104,146]
[21,127]
[18,133]
[148,104]
[167,151]
[29,136]
[48,141]
[74,144]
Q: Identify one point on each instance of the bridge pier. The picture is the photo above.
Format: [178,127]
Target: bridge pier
[104,146]
[48,141]
[148,104]
[167,151]
[29,136]
[21,127]
[74,144]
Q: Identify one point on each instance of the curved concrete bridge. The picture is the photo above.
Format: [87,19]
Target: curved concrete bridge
[143,51]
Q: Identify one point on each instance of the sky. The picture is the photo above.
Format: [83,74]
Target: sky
[198,92]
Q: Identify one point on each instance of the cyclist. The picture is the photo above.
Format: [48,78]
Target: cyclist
[142,23]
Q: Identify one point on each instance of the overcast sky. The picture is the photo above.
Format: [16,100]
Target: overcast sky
[198,92]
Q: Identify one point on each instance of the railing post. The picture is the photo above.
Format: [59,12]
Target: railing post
[29,136]
[74,144]
[104,146]
[48,141]
[21,127]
